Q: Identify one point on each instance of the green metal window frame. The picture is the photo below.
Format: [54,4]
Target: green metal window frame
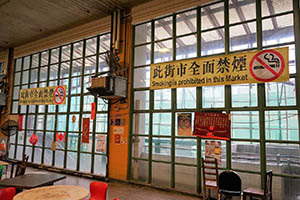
[68,114]
[261,105]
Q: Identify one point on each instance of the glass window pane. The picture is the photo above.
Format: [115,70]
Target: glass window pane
[51,108]
[87,83]
[77,67]
[71,160]
[53,72]
[281,94]
[102,65]
[65,53]
[50,122]
[100,165]
[43,73]
[87,101]
[75,104]
[73,141]
[45,57]
[59,158]
[282,125]
[25,77]
[54,56]
[104,43]
[26,62]
[163,51]
[77,50]
[141,100]
[34,76]
[161,149]
[20,139]
[76,85]
[162,99]
[244,95]
[35,60]
[64,70]
[243,36]
[142,55]
[49,139]
[163,28]
[15,107]
[19,152]
[245,124]
[30,122]
[283,158]
[90,65]
[212,42]
[101,105]
[18,64]
[186,151]
[17,78]
[241,10]
[40,121]
[11,153]
[186,97]
[48,157]
[162,124]
[101,123]
[61,122]
[213,96]
[39,143]
[278,30]
[91,46]
[271,7]
[16,93]
[85,162]
[212,16]
[141,124]
[140,147]
[188,180]
[186,22]
[142,33]
[186,47]
[292,59]
[142,77]
[161,174]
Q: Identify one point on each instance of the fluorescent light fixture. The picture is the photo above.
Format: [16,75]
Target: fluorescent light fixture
[163,50]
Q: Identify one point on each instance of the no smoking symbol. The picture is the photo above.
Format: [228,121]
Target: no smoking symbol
[59,95]
[267,65]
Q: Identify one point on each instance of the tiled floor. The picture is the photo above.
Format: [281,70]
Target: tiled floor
[123,191]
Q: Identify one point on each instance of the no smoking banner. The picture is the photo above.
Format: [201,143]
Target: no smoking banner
[268,65]
[60,95]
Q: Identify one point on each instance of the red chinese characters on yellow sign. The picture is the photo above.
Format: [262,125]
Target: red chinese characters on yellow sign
[212,125]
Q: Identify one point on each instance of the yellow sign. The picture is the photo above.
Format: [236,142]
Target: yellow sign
[43,96]
[240,68]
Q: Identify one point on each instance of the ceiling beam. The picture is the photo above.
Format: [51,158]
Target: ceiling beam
[241,16]
[213,20]
[169,31]
[272,12]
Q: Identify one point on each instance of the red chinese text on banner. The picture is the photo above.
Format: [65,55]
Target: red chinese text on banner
[60,137]
[21,117]
[93,112]
[86,130]
[212,125]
